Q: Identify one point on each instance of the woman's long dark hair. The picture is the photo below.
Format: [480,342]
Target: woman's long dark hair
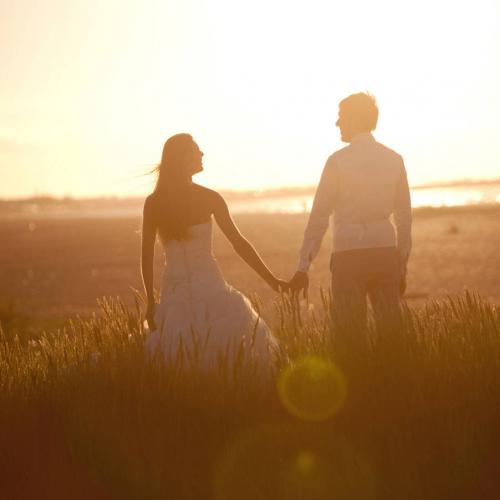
[171,193]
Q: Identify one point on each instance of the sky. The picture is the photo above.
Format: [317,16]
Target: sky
[91,89]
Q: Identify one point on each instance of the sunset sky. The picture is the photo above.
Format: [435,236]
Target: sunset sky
[90,89]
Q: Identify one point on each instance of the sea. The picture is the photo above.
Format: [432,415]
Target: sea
[285,201]
[451,196]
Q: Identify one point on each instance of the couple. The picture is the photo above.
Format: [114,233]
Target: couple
[202,318]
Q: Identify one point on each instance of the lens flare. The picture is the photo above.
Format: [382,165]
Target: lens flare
[292,461]
[305,462]
[312,388]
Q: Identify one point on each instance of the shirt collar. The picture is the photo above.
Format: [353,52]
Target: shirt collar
[362,137]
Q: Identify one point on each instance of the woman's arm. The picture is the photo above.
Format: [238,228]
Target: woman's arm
[147,256]
[242,246]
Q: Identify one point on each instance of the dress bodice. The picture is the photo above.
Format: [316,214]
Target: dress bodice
[191,259]
[199,244]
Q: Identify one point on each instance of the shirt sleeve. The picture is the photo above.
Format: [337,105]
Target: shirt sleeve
[320,215]
[402,218]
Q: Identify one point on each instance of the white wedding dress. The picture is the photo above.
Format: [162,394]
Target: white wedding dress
[201,320]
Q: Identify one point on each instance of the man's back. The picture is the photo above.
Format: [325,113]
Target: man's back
[362,185]
[368,184]
[368,175]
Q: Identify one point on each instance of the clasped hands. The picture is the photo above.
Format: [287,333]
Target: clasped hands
[298,283]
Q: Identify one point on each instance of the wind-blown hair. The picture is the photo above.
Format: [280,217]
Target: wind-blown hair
[364,107]
[171,193]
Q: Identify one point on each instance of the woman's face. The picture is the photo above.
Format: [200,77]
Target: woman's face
[194,157]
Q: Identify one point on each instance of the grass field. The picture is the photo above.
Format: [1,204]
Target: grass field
[357,415]
[363,414]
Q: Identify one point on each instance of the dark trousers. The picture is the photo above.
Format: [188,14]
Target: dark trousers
[367,272]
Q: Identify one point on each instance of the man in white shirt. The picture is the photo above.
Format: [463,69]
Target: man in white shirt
[363,185]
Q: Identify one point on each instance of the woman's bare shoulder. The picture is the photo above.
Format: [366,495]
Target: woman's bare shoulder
[149,203]
[150,199]
[212,196]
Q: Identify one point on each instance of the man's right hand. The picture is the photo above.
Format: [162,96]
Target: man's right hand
[300,281]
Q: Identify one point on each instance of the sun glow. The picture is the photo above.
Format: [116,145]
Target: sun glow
[94,88]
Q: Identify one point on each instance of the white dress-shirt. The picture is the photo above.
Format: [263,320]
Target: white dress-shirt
[363,185]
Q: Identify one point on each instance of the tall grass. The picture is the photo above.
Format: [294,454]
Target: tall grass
[84,413]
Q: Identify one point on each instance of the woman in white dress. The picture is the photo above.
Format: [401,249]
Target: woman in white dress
[200,320]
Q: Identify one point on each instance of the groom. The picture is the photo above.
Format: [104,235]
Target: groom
[362,184]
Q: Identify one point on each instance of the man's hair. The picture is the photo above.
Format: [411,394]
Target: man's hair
[364,106]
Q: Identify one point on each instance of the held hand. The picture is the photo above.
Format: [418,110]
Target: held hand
[150,313]
[300,281]
[402,285]
[283,286]
[279,285]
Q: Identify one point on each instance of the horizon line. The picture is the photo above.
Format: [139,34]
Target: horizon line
[261,192]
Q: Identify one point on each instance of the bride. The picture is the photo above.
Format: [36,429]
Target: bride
[200,319]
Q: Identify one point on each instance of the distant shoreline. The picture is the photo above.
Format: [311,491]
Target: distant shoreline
[131,214]
[231,194]
[287,200]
